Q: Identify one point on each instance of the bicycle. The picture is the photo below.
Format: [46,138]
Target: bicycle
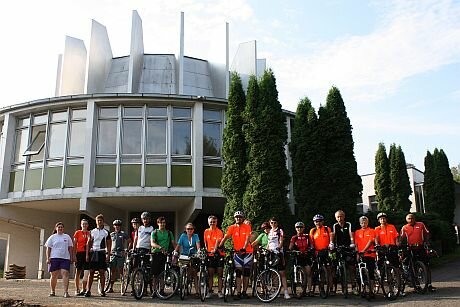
[142,276]
[298,274]
[388,275]
[167,281]
[320,275]
[343,253]
[127,272]
[268,282]
[229,275]
[413,271]
[203,277]
[106,279]
[364,283]
[185,280]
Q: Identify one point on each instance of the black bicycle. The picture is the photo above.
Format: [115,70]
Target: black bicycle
[167,282]
[344,255]
[268,282]
[388,275]
[142,276]
[298,274]
[229,275]
[364,282]
[203,277]
[320,274]
[413,271]
[127,272]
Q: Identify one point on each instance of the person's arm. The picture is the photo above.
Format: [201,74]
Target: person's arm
[332,234]
[352,239]
[172,241]
[257,240]
[153,243]
[74,252]
[198,243]
[135,238]
[291,244]
[226,237]
[89,244]
[426,234]
[178,246]
[48,254]
[280,243]
[108,241]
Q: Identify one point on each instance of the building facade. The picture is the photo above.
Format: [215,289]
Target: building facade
[123,135]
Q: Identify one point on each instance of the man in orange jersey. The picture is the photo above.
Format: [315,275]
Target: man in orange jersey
[212,237]
[417,235]
[241,235]
[387,235]
[364,240]
[320,237]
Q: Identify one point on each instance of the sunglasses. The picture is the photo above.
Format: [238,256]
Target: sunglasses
[273,222]
[300,227]
[239,217]
[190,229]
[212,222]
[318,221]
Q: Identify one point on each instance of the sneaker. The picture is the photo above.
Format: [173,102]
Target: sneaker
[431,288]
[66,294]
[77,292]
[82,293]
[244,295]
[286,295]
[220,295]
[355,292]
[208,295]
[103,294]
[88,294]
[403,294]
[52,294]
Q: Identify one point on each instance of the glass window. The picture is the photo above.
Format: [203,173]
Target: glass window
[156,137]
[37,142]
[108,112]
[107,137]
[157,111]
[24,122]
[57,140]
[212,141]
[181,144]
[137,112]
[213,115]
[59,116]
[22,137]
[132,137]
[40,119]
[77,139]
[182,112]
[77,114]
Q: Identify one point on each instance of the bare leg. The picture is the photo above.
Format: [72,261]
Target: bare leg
[220,274]
[77,280]
[309,277]
[245,283]
[238,283]
[65,280]
[283,280]
[53,281]
[102,279]
[85,280]
[90,280]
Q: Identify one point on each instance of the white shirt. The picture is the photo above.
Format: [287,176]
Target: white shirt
[274,237]
[59,244]
[99,236]
[143,236]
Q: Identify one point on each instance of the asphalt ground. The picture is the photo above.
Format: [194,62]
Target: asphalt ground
[446,279]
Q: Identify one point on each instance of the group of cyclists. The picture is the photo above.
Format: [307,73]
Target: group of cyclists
[323,256]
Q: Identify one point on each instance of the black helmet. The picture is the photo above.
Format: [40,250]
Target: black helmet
[135,220]
[145,215]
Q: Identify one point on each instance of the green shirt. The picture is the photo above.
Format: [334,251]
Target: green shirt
[262,239]
[162,238]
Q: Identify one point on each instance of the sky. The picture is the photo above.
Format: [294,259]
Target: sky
[396,63]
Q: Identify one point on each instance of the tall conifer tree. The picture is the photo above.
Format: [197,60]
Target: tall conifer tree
[428,184]
[266,134]
[306,161]
[382,182]
[234,152]
[400,184]
[341,182]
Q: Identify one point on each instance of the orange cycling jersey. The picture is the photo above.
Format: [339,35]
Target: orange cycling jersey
[362,237]
[81,238]
[320,238]
[240,234]
[386,235]
[211,237]
[415,234]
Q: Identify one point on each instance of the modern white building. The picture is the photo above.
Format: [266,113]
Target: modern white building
[416,179]
[122,135]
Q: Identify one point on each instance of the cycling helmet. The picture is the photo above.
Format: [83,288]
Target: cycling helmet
[264,225]
[238,213]
[117,222]
[318,217]
[145,215]
[299,224]
[381,214]
[135,220]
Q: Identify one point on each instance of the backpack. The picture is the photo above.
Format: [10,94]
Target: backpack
[170,237]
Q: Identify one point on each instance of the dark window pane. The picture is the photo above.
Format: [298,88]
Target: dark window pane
[181,144]
[212,140]
[213,115]
[156,137]
[182,112]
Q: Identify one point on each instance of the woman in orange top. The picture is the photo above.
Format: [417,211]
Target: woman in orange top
[80,239]
[212,237]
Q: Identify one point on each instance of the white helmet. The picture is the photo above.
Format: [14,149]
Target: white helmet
[238,213]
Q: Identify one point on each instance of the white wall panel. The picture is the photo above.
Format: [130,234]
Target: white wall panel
[73,67]
[99,60]
[136,54]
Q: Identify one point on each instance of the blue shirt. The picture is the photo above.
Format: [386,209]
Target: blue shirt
[184,243]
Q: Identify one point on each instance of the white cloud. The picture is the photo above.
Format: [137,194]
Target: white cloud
[415,37]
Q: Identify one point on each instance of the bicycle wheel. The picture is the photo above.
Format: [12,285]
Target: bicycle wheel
[125,279]
[138,283]
[203,282]
[390,282]
[268,285]
[323,282]
[106,281]
[421,277]
[343,276]
[228,283]
[167,283]
[298,280]
[183,282]
[254,274]
[365,285]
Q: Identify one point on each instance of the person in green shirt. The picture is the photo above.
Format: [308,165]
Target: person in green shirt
[162,242]
[262,239]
